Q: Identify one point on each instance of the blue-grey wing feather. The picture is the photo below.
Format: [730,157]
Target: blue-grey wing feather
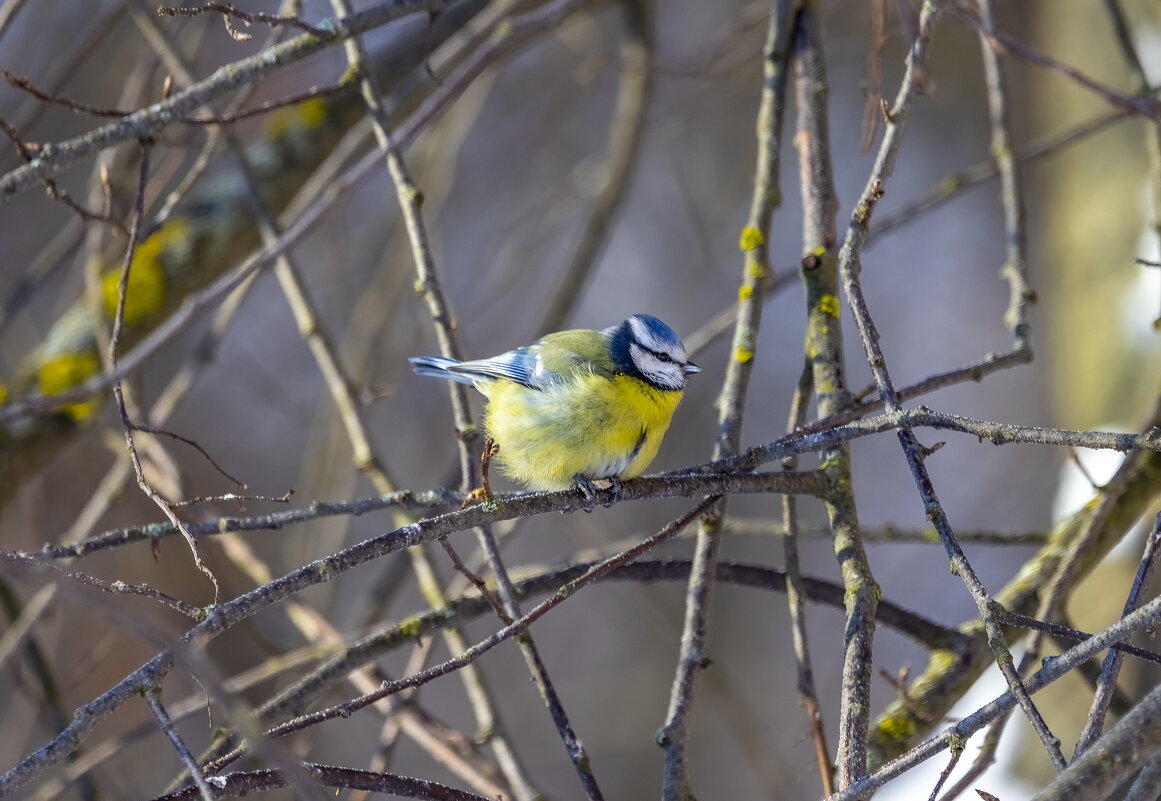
[438,366]
[522,366]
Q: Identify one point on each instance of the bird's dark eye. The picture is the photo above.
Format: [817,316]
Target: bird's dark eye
[663,357]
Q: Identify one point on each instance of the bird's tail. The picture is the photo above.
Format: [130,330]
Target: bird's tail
[438,366]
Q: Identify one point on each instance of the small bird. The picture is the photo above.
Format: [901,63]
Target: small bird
[578,405]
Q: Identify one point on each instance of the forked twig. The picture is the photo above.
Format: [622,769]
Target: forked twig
[229,13]
[118,391]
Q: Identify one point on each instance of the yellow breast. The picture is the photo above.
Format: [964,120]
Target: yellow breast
[595,426]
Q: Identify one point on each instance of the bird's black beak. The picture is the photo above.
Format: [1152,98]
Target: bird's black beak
[691,368]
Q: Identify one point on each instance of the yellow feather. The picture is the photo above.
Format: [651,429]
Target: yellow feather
[591,425]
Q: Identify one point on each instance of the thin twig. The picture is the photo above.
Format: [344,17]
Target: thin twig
[794,596]
[245,784]
[923,417]
[1152,132]
[118,391]
[268,106]
[160,432]
[153,698]
[984,759]
[1015,268]
[25,84]
[956,750]
[112,587]
[29,153]
[228,10]
[406,500]
[1146,106]
[232,497]
[1063,633]
[674,734]
[1107,683]
[873,87]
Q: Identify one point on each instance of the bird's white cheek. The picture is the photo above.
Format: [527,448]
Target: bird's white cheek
[669,378]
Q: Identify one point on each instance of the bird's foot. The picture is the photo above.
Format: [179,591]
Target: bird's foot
[588,489]
[614,491]
[477,495]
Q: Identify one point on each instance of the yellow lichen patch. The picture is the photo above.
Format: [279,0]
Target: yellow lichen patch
[751,238]
[411,627]
[896,727]
[65,371]
[755,268]
[829,305]
[313,112]
[745,292]
[305,116]
[950,184]
[956,743]
[942,661]
[144,293]
[830,462]
[174,233]
[743,355]
[147,280]
[819,251]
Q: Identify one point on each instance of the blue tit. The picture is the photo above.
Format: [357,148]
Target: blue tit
[578,405]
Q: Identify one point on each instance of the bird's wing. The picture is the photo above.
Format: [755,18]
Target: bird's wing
[553,359]
[520,365]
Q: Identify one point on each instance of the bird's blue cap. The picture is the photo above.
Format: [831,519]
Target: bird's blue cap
[660,331]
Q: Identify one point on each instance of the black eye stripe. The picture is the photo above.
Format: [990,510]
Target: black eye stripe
[659,355]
